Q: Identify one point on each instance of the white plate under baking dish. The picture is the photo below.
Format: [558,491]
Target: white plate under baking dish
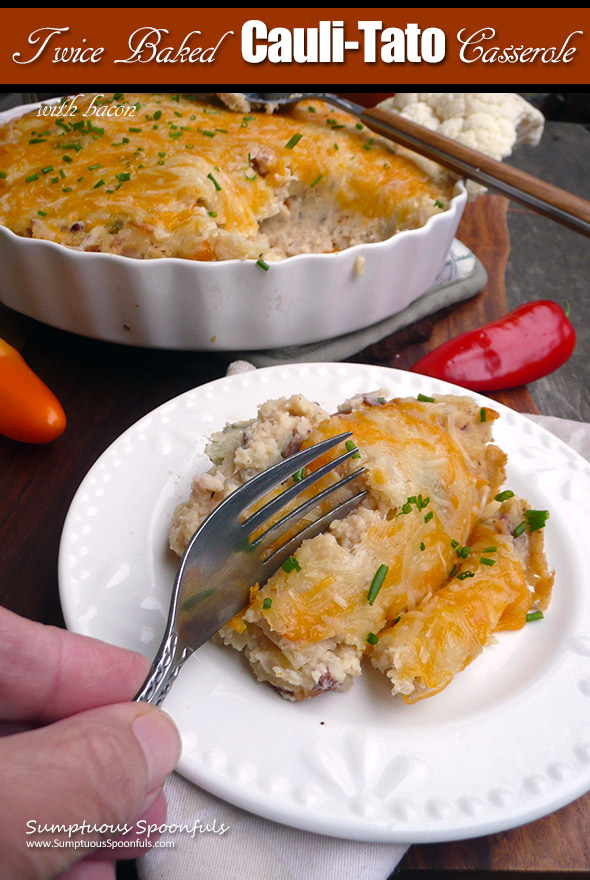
[230,305]
[507,742]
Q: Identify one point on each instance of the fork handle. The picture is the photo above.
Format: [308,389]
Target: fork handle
[542,197]
[165,668]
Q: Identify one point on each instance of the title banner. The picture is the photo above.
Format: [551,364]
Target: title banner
[385,45]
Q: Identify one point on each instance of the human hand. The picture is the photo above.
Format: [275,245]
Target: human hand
[74,750]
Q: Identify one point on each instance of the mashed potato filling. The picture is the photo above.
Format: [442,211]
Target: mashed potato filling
[431,475]
[187,177]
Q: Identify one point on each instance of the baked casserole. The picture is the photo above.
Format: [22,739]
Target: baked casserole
[182,176]
[419,577]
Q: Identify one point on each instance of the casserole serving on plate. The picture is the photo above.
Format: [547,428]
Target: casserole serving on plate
[189,225]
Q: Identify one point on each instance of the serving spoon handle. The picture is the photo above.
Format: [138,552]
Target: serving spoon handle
[544,198]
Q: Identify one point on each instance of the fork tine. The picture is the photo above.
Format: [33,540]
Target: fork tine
[258,486]
[280,526]
[274,560]
[257,519]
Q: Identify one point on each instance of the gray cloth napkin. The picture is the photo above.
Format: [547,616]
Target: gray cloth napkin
[258,849]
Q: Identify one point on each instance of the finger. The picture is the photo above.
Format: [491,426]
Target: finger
[143,834]
[48,673]
[90,869]
[80,781]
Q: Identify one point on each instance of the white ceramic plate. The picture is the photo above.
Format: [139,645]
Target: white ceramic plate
[507,742]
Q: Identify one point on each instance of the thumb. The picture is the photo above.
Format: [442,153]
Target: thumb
[76,783]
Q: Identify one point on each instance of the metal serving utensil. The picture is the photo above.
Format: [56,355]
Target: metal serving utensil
[221,562]
[542,197]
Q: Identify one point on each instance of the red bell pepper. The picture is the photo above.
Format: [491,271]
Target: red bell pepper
[522,346]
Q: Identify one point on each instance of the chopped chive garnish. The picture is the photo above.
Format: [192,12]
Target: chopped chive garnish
[62,173]
[504,496]
[350,446]
[67,159]
[536,519]
[485,561]
[38,141]
[157,114]
[32,177]
[123,177]
[212,213]
[439,204]
[121,142]
[490,549]
[462,552]
[209,134]
[423,398]
[428,516]
[290,564]
[134,130]
[377,583]
[317,180]
[292,142]
[215,184]
[98,183]
[2,175]
[420,503]
[454,570]
[299,475]
[42,213]
[465,574]
[93,167]
[67,189]
[372,638]
[263,264]
[483,414]
[520,528]
[266,604]
[454,543]
[534,615]
[422,545]
[47,169]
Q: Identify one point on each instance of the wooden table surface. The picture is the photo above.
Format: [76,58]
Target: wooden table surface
[105,388]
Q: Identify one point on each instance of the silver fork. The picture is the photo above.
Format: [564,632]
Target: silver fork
[221,562]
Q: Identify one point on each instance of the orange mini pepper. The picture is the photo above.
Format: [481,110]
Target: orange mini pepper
[29,411]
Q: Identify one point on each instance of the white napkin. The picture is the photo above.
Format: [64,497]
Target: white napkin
[259,849]
[254,848]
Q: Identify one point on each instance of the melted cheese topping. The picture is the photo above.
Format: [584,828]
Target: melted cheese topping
[409,452]
[429,645]
[187,178]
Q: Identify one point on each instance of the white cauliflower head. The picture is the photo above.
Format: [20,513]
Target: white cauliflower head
[493,123]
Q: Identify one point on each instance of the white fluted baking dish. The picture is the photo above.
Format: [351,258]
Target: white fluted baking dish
[173,303]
